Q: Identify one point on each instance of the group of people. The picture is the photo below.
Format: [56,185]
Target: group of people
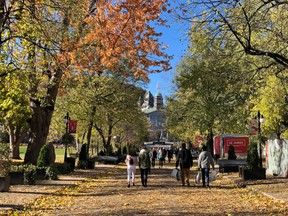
[143,163]
[161,155]
[183,159]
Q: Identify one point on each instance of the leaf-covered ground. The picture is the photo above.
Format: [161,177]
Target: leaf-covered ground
[107,194]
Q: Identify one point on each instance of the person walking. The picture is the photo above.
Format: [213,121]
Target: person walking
[160,156]
[154,156]
[184,158]
[131,161]
[144,165]
[205,160]
[169,154]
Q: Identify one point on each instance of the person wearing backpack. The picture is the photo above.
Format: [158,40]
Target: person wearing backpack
[144,165]
[184,158]
[131,161]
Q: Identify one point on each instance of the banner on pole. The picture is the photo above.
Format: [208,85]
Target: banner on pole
[72,126]
[253,127]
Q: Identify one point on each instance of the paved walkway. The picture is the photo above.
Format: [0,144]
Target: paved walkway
[106,193]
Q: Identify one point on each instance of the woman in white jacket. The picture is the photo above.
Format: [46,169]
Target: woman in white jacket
[131,161]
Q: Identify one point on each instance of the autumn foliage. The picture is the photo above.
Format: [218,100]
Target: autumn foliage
[118,34]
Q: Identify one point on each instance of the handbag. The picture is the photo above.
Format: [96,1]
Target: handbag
[213,176]
[198,177]
[176,174]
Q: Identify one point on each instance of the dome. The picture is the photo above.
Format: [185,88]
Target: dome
[158,94]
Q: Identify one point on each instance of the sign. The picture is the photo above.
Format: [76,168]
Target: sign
[253,127]
[72,126]
[240,144]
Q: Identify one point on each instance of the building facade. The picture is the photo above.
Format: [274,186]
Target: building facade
[153,107]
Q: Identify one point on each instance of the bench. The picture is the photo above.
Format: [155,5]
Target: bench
[230,165]
[108,159]
[74,155]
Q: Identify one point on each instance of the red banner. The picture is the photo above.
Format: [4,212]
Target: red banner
[240,144]
[72,126]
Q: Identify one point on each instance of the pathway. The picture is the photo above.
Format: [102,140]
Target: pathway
[107,194]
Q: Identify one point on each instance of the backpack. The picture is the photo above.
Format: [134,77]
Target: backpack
[131,161]
[160,156]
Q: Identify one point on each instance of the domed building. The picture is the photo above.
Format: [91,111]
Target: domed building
[153,107]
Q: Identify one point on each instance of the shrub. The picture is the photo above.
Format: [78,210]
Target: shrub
[124,151]
[82,164]
[83,153]
[119,151]
[252,156]
[29,174]
[43,158]
[4,137]
[46,156]
[17,168]
[63,168]
[5,162]
[67,139]
[52,172]
[231,153]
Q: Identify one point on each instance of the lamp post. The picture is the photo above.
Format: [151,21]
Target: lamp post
[260,119]
[66,120]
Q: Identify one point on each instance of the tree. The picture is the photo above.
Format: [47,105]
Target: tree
[105,105]
[252,24]
[14,107]
[270,100]
[212,88]
[48,39]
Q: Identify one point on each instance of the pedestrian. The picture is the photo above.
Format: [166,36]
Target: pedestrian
[169,154]
[176,152]
[184,158]
[164,155]
[144,165]
[131,161]
[204,161]
[154,156]
[160,156]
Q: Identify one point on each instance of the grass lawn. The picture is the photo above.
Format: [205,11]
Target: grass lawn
[59,152]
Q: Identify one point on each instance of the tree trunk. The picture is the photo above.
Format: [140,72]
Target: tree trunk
[41,118]
[100,132]
[16,135]
[39,129]
[110,127]
[210,143]
[89,132]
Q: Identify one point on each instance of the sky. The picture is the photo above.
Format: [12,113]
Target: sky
[174,37]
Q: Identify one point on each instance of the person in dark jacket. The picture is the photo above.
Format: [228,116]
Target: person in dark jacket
[170,155]
[184,158]
[144,165]
[154,156]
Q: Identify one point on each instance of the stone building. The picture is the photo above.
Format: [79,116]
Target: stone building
[153,107]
